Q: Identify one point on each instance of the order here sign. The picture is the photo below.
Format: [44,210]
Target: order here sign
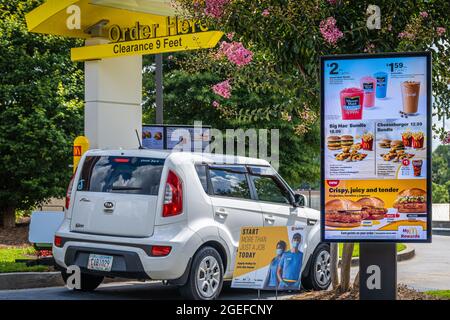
[376,147]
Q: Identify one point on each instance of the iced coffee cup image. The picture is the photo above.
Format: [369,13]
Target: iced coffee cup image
[352,101]
[410,97]
[368,85]
[382,83]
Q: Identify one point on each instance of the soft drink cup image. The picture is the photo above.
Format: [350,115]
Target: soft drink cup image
[368,84]
[382,83]
[417,166]
[352,101]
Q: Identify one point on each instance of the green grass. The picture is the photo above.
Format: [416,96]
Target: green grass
[8,262]
[443,294]
[400,247]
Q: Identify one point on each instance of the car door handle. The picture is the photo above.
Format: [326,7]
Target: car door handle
[269,220]
[85,200]
[221,213]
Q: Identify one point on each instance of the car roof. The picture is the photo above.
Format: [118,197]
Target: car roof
[179,157]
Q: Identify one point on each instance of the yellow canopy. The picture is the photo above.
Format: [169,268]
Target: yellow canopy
[51,17]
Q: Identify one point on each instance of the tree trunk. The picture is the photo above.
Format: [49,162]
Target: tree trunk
[9,217]
[334,260]
[346,264]
[356,282]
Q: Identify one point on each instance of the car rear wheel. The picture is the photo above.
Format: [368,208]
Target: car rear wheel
[88,282]
[319,275]
[205,277]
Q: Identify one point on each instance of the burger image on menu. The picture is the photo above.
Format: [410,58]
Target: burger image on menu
[334,143]
[385,144]
[372,208]
[347,141]
[343,213]
[411,201]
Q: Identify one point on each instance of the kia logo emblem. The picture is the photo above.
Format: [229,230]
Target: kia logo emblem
[109,205]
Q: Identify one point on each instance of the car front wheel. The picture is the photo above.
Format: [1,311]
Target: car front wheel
[206,276]
[319,275]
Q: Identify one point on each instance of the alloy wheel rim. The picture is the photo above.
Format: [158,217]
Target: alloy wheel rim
[322,268]
[208,277]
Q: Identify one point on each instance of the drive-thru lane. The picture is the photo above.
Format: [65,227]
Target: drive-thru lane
[129,291]
[429,269]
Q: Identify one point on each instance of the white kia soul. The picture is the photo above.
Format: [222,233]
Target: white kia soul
[176,216]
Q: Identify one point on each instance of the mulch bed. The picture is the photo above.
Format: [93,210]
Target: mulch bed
[404,293]
[17,237]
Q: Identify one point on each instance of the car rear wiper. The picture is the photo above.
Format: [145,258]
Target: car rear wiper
[125,188]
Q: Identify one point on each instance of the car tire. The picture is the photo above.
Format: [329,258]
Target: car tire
[88,283]
[319,274]
[205,279]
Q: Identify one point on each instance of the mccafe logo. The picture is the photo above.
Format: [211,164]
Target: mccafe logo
[140,31]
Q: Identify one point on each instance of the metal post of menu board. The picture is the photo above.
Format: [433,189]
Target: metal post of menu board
[378,271]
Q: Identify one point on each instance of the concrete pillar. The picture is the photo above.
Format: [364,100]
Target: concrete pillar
[113,96]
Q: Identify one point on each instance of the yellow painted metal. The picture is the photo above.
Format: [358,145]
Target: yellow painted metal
[201,40]
[51,17]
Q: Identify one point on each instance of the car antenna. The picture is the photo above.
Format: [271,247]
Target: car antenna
[139,140]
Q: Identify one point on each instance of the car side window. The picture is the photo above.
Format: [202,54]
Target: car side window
[268,189]
[201,173]
[231,184]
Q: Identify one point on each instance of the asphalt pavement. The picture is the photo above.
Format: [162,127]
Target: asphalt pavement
[428,270]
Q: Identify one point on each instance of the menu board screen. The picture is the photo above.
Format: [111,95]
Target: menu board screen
[170,137]
[153,137]
[190,138]
[376,147]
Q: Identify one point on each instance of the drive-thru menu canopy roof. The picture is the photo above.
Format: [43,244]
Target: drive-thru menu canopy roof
[132,26]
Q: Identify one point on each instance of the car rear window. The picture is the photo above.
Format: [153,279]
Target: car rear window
[129,175]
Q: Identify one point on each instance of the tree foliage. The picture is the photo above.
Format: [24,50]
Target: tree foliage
[441,174]
[287,40]
[41,99]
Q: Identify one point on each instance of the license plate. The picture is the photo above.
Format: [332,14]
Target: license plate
[100,263]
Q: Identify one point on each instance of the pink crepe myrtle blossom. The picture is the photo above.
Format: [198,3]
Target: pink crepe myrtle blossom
[215,8]
[223,89]
[330,32]
[424,14]
[235,52]
[230,36]
[215,104]
[406,35]
[440,31]
[447,138]
[266,12]
[332,2]
[369,48]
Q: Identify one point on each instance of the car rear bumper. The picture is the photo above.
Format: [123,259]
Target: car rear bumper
[131,258]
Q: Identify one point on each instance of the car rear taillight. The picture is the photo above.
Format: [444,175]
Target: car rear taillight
[58,241]
[69,191]
[173,196]
[161,251]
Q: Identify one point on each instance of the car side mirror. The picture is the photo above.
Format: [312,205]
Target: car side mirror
[300,200]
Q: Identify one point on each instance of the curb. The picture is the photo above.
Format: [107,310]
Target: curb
[34,280]
[406,254]
[29,280]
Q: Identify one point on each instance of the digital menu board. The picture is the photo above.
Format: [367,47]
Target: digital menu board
[153,137]
[190,138]
[170,137]
[376,148]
